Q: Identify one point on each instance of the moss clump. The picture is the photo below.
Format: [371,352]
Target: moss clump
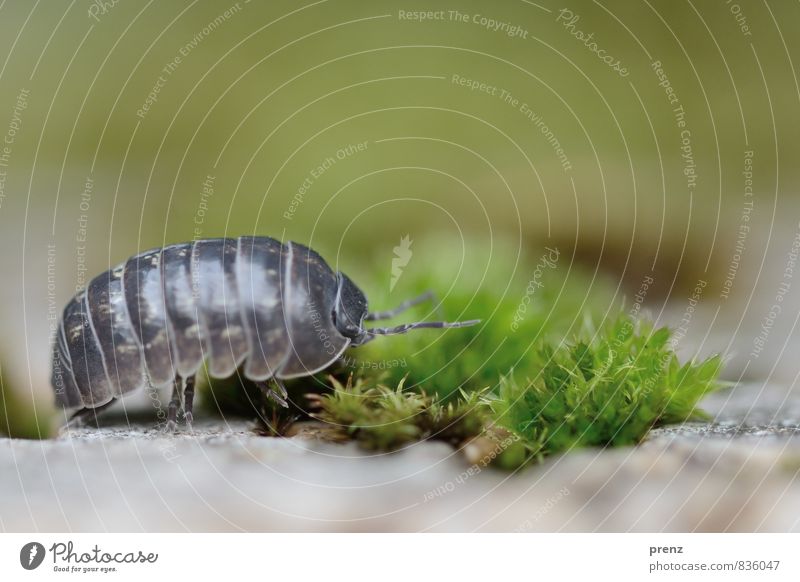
[607,390]
[608,387]
[521,297]
[384,418]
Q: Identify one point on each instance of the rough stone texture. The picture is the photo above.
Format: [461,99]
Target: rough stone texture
[739,473]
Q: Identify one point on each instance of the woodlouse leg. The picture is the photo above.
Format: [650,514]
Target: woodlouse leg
[174,404]
[276,391]
[79,418]
[188,401]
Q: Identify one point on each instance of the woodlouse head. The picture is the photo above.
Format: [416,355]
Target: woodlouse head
[350,310]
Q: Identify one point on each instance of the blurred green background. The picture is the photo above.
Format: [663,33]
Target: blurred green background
[261,107]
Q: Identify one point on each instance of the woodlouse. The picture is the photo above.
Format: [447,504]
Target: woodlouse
[277,309]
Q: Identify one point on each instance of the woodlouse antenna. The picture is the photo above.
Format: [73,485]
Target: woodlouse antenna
[420,324]
[404,306]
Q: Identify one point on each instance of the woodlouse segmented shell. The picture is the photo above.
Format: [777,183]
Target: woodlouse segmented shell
[250,300]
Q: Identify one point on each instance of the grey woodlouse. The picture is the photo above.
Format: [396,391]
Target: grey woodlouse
[278,309]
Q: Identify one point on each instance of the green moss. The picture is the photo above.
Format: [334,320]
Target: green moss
[384,418]
[521,299]
[609,389]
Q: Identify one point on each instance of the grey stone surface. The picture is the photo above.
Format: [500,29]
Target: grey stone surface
[737,473]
